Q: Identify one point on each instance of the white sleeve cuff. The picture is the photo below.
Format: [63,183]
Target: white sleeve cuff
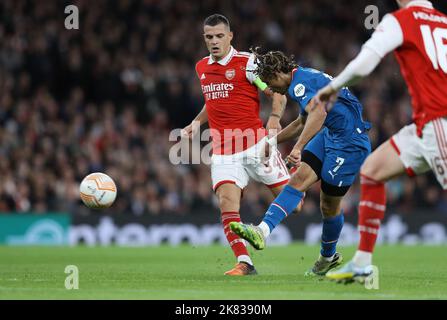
[250,68]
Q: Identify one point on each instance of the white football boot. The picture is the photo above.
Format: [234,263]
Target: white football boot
[350,272]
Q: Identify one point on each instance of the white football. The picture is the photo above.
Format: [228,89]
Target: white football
[97,190]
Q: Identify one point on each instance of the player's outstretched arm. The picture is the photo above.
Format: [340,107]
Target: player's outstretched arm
[278,106]
[316,114]
[191,129]
[292,131]
[260,84]
[278,102]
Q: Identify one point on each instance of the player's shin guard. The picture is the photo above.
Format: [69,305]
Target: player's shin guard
[331,232]
[371,211]
[282,206]
[237,244]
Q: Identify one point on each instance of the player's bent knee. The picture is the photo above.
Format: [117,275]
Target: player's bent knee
[228,201]
[371,168]
[298,182]
[303,178]
[383,164]
[329,209]
[330,205]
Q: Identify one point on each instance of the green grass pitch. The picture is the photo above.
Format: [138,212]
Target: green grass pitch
[186,272]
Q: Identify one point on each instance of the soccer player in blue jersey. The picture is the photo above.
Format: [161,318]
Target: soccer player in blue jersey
[331,147]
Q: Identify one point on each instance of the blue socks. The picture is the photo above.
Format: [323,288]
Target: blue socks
[331,232]
[282,206]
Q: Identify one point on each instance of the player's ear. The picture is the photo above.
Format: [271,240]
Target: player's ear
[230,35]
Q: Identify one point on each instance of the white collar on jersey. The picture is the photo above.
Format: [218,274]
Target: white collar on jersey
[419,3]
[224,61]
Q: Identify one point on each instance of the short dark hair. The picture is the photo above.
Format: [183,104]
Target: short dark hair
[215,19]
[272,62]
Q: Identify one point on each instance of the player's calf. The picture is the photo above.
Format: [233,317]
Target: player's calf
[333,220]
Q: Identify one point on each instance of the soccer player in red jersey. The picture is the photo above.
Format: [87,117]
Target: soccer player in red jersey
[417,33]
[230,89]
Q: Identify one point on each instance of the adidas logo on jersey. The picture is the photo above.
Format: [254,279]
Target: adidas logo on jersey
[202,77]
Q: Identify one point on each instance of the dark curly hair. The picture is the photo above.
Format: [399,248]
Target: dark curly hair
[272,62]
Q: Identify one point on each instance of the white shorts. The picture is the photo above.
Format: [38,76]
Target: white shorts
[239,167]
[420,155]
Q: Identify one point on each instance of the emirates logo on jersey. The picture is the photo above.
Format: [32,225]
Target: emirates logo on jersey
[217,90]
[230,73]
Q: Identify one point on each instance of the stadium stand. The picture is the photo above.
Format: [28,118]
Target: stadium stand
[106,96]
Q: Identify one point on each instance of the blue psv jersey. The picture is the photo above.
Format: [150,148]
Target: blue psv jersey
[344,122]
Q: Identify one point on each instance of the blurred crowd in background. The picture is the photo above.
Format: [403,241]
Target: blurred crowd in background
[105,98]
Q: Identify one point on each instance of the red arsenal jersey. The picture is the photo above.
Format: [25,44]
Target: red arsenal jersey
[232,101]
[423,61]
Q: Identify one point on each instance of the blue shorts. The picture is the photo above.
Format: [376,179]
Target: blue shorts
[336,163]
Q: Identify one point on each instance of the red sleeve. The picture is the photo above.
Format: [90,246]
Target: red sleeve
[197,69]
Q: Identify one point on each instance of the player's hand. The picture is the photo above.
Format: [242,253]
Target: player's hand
[327,96]
[294,157]
[268,92]
[190,130]
[273,126]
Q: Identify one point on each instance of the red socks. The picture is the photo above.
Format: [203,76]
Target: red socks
[371,211]
[237,244]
